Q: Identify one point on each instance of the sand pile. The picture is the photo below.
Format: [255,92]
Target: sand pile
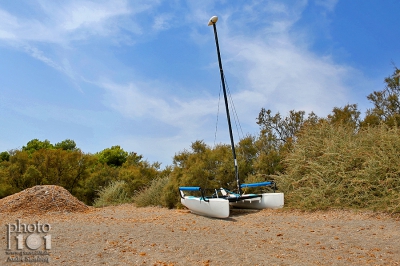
[42,199]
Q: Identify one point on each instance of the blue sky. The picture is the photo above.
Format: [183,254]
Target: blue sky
[144,74]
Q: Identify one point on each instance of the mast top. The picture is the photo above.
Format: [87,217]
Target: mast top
[212,20]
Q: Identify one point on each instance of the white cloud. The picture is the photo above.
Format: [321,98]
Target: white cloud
[162,22]
[8,24]
[329,5]
[287,76]
[139,101]
[63,22]
[85,14]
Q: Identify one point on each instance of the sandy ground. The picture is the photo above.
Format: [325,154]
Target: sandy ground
[126,235]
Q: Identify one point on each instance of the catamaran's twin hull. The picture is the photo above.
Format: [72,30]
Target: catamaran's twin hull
[219,207]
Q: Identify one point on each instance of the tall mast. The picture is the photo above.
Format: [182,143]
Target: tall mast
[212,22]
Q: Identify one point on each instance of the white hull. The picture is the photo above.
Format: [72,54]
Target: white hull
[267,201]
[214,207]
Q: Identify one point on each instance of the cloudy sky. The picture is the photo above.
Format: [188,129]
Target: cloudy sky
[144,74]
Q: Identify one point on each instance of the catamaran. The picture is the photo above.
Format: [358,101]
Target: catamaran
[218,204]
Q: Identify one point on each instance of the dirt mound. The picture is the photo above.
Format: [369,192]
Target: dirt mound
[42,199]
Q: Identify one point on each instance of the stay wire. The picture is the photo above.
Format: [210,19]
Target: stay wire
[235,115]
[233,111]
[216,124]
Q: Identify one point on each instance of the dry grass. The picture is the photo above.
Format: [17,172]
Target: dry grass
[153,195]
[332,166]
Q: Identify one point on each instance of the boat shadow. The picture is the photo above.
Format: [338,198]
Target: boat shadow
[235,213]
[241,212]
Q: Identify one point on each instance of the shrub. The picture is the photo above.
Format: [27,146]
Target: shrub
[154,194]
[113,194]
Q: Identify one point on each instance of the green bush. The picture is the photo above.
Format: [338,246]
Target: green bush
[113,194]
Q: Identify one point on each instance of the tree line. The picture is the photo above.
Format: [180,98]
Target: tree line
[64,164]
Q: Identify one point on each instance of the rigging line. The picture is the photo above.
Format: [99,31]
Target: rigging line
[216,124]
[235,116]
[237,122]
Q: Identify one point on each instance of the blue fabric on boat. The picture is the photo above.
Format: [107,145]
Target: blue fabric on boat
[256,184]
[190,188]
